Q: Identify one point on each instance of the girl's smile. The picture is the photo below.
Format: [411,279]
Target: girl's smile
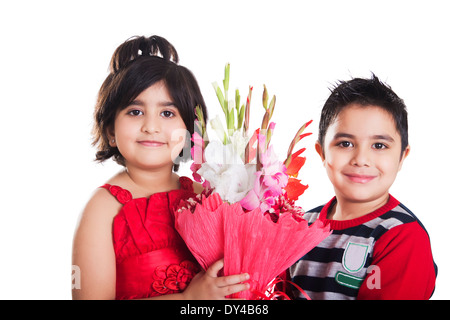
[151,143]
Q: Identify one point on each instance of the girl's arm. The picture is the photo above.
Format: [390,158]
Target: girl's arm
[93,253]
[93,250]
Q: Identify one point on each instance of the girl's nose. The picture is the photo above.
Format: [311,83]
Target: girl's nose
[151,124]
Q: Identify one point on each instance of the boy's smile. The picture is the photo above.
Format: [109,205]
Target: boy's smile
[359,178]
[362,155]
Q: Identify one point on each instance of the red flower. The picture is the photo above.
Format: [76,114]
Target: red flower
[294,189]
[296,163]
[174,278]
[284,205]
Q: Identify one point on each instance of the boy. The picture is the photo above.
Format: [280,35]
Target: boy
[378,249]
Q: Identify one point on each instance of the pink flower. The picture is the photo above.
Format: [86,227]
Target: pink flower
[269,182]
[262,195]
[274,171]
[197,155]
[254,197]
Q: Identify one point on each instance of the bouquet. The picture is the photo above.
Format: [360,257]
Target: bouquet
[246,213]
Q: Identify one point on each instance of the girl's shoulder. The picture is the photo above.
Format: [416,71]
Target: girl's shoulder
[101,206]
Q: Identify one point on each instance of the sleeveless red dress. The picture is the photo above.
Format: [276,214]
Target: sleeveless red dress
[151,257]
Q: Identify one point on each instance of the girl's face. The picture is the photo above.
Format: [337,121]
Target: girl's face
[150,131]
[361,153]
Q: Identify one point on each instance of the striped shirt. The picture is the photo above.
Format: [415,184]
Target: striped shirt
[385,254]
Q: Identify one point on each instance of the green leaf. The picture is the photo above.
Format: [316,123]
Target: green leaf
[230,121]
[265,97]
[226,80]
[216,124]
[272,106]
[241,116]
[220,97]
[237,100]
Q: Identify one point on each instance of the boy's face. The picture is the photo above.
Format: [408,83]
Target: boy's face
[361,153]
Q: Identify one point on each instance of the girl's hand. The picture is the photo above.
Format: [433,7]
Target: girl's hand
[209,286]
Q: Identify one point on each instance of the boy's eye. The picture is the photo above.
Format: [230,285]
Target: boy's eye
[345,144]
[379,146]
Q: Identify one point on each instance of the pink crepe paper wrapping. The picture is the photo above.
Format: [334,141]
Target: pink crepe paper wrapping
[263,248]
[249,241]
[202,231]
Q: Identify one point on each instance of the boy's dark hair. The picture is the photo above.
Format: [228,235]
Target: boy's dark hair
[366,92]
[137,64]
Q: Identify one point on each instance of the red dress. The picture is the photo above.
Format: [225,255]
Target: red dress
[151,257]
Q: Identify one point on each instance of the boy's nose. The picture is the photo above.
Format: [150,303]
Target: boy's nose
[361,158]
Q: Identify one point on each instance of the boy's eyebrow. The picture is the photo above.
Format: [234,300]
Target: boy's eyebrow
[383,137]
[386,137]
[343,135]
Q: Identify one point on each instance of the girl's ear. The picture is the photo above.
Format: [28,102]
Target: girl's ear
[319,150]
[111,137]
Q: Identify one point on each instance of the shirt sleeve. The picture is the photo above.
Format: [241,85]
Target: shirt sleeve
[402,266]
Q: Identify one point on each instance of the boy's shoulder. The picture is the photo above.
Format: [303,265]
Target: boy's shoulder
[398,215]
[384,218]
[313,214]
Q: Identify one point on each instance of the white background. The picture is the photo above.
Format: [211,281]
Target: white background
[54,56]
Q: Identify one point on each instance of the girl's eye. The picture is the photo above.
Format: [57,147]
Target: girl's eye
[379,146]
[345,144]
[135,112]
[167,114]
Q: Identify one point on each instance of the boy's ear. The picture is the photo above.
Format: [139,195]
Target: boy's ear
[404,155]
[319,150]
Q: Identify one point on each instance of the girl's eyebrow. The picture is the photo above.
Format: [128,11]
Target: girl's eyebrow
[167,104]
[137,102]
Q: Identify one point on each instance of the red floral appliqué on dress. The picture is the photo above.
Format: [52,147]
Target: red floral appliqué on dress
[122,195]
[174,278]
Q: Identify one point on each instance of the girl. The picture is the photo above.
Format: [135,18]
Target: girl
[126,245]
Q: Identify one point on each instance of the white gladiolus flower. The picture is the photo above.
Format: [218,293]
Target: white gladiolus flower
[226,172]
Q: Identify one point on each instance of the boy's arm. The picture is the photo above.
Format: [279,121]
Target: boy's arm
[404,267]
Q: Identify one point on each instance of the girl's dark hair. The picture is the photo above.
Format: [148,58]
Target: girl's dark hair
[135,65]
[366,92]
